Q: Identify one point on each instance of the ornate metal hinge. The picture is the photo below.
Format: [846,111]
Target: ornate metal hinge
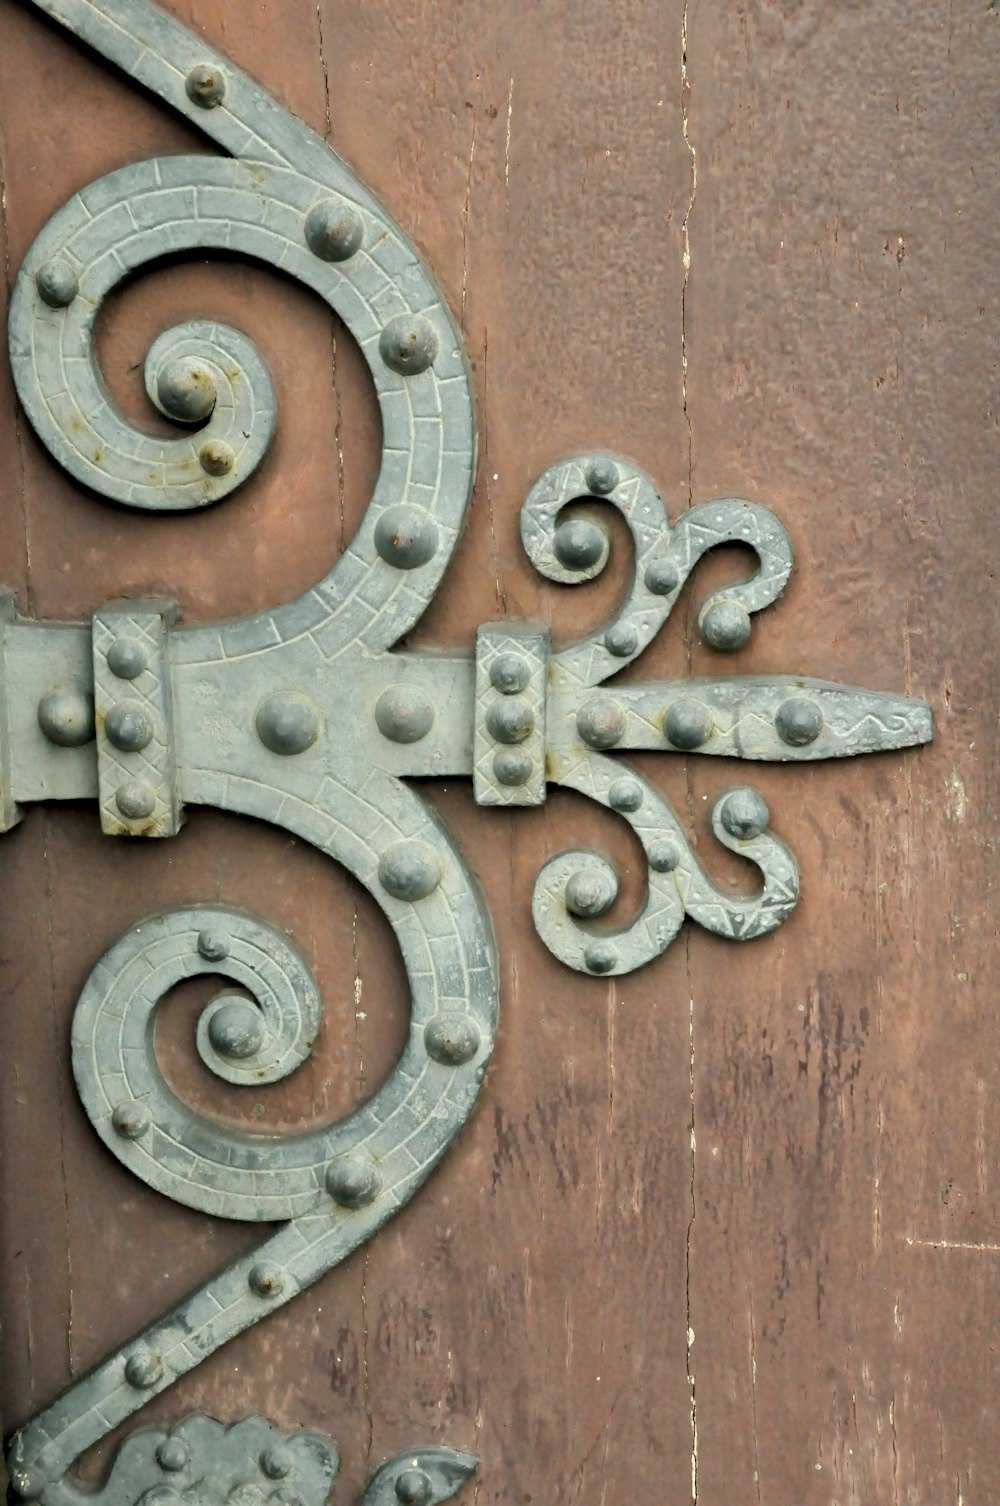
[305,716]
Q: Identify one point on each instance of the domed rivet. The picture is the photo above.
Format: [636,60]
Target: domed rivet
[213,944]
[403,715]
[509,673]
[173,1454]
[353,1180]
[725,626]
[408,344]
[590,892]
[510,721]
[601,723]
[287,722]
[266,1279]
[602,477]
[246,1494]
[127,658]
[236,1029]
[143,1369]
[414,1488]
[661,577]
[186,389]
[406,536]
[664,856]
[27,1482]
[601,957]
[135,799]
[687,724]
[451,1039]
[128,727]
[798,721]
[217,458]
[66,716]
[512,766]
[578,543]
[333,231]
[205,86]
[625,794]
[57,284]
[744,814]
[131,1121]
[276,1461]
[409,870]
[621,640]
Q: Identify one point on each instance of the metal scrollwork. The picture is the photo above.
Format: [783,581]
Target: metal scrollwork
[304,717]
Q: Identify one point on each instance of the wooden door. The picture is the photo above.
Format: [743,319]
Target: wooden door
[724,1228]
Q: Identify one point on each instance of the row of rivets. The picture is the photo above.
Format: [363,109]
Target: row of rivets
[687,722]
[511,719]
[173,1455]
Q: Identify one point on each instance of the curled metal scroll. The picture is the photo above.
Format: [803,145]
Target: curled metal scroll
[301,716]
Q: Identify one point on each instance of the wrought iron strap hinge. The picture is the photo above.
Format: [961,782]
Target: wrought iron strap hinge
[307,716]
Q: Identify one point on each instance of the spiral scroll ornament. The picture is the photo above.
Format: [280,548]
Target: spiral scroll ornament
[309,716]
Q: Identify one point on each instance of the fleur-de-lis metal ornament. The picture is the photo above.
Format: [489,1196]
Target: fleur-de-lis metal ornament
[305,716]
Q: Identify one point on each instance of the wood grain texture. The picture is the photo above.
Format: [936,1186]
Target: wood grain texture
[727,1229]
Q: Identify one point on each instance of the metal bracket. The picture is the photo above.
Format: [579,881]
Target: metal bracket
[305,717]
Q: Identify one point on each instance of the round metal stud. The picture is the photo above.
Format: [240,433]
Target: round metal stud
[128,727]
[266,1279]
[131,1121]
[287,722]
[66,716]
[601,723]
[173,1455]
[236,1028]
[213,945]
[354,1180]
[334,231]
[414,1488]
[512,766]
[276,1461]
[662,577]
[57,284]
[127,658]
[217,458]
[590,892]
[451,1039]
[27,1482]
[409,870]
[602,477]
[744,814]
[143,1369]
[406,536]
[135,799]
[205,86]
[625,794]
[403,715]
[664,856]
[687,724]
[798,721]
[186,389]
[621,640]
[509,673]
[408,344]
[578,543]
[510,721]
[601,957]
[725,626]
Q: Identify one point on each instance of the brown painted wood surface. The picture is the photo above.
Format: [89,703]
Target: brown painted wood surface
[726,1228]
